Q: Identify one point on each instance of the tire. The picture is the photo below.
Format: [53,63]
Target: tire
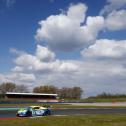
[48,112]
[17,115]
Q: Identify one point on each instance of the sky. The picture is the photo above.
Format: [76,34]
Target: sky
[64,43]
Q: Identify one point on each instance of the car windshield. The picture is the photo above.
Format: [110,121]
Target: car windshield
[36,108]
[28,108]
[22,109]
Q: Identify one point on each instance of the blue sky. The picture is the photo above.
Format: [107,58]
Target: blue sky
[75,38]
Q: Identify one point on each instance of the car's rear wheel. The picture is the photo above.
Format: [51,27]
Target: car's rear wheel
[48,112]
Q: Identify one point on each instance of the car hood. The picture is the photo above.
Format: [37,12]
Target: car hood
[22,111]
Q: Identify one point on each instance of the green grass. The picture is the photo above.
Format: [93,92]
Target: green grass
[58,106]
[85,120]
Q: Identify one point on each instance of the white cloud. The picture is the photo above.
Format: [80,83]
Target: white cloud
[36,63]
[28,61]
[113,5]
[77,13]
[105,48]
[116,20]
[17,69]
[44,54]
[93,76]
[18,78]
[22,77]
[94,25]
[65,32]
[68,67]
[43,67]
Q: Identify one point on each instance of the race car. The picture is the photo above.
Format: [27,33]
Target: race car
[33,111]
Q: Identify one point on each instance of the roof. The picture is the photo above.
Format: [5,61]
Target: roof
[40,94]
[40,107]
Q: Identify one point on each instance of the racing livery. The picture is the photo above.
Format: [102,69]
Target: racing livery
[33,111]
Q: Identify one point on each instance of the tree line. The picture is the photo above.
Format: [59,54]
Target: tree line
[105,95]
[63,93]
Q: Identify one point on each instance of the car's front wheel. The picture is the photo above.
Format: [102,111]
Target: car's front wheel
[17,115]
[29,113]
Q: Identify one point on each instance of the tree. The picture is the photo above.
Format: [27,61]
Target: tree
[21,88]
[11,87]
[65,92]
[45,89]
[7,87]
[70,93]
[76,92]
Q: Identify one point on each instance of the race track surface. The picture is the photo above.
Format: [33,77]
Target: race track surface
[12,113]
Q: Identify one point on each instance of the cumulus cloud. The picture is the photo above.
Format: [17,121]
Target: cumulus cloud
[17,69]
[113,5]
[34,62]
[105,48]
[44,54]
[93,76]
[18,78]
[116,20]
[43,67]
[77,13]
[43,61]
[27,61]
[68,31]
[94,25]
[68,67]
[22,77]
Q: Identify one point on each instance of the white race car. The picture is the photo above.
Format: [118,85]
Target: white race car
[33,111]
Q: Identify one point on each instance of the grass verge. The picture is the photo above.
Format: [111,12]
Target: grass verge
[57,106]
[83,120]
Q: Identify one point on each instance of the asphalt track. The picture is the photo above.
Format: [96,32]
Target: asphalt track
[12,113]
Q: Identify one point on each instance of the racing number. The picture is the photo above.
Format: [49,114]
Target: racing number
[39,112]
